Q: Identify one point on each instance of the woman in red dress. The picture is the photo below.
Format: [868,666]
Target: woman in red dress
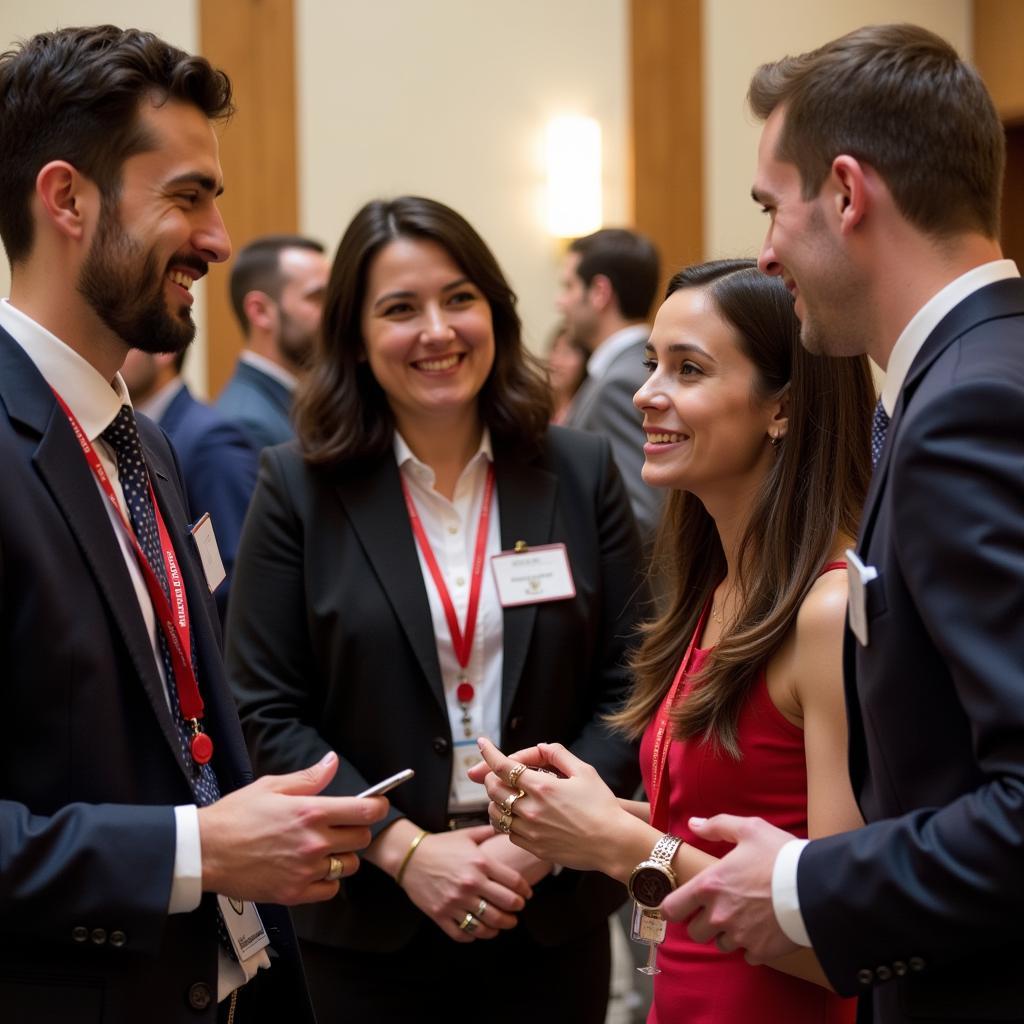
[738,695]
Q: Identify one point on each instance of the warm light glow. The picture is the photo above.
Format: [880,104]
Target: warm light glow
[574,176]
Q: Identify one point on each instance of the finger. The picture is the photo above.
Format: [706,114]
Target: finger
[724,943]
[497,789]
[348,811]
[562,758]
[683,903]
[700,927]
[307,782]
[503,903]
[507,876]
[724,828]
[496,760]
[478,833]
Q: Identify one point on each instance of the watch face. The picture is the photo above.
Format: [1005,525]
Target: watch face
[649,886]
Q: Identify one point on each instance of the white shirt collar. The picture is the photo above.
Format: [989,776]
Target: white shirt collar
[405,458]
[94,401]
[928,317]
[604,355]
[157,404]
[270,368]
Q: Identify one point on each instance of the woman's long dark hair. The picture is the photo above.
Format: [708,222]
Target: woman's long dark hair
[341,412]
[813,492]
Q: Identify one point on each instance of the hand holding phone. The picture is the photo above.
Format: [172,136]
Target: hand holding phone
[388,784]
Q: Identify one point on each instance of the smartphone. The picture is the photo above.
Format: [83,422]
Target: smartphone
[388,784]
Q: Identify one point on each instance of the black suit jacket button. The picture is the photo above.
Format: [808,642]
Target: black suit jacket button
[899,968]
[118,939]
[441,745]
[883,973]
[99,936]
[866,976]
[199,996]
[916,963]
[80,933]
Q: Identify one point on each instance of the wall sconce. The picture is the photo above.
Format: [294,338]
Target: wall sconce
[574,176]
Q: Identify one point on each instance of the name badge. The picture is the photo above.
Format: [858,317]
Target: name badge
[245,929]
[859,576]
[464,792]
[533,575]
[209,553]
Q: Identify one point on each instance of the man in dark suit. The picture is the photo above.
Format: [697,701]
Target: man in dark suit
[218,462]
[607,284]
[277,293]
[880,169]
[119,825]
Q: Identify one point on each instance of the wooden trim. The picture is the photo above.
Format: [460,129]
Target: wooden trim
[254,42]
[998,29]
[668,127]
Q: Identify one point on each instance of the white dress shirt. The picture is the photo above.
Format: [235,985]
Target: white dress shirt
[95,403]
[451,528]
[785,900]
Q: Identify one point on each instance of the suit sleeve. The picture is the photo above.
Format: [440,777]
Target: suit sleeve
[614,416]
[943,881]
[271,663]
[624,596]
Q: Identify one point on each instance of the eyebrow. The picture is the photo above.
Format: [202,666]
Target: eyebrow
[684,346]
[764,198]
[391,296]
[204,181]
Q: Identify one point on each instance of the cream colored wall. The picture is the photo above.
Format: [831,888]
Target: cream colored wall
[449,99]
[733,225]
[178,23]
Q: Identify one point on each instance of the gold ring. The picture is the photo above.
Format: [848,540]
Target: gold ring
[336,869]
[468,924]
[506,805]
[513,775]
[504,824]
[480,909]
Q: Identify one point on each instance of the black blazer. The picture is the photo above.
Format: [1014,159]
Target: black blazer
[90,762]
[331,646]
[926,902]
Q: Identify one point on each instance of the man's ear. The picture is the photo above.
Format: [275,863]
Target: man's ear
[66,198]
[851,196]
[260,310]
[600,292]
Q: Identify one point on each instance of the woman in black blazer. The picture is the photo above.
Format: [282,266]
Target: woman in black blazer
[422,403]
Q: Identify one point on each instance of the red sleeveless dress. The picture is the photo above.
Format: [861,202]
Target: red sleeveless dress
[698,984]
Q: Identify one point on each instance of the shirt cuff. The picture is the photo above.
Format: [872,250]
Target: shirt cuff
[785,898]
[187,884]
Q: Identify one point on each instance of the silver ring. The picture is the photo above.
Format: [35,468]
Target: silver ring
[468,924]
[479,912]
[336,869]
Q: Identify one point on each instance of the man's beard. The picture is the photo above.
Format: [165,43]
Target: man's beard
[124,286]
[295,344]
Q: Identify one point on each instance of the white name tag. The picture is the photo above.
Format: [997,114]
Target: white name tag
[534,575]
[465,794]
[209,553]
[859,576]
[245,929]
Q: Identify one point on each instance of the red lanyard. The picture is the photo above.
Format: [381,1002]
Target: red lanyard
[662,737]
[462,642]
[173,619]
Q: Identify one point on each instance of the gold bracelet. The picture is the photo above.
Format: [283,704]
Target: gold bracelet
[408,855]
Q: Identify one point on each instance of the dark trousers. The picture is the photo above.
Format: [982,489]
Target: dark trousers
[506,979]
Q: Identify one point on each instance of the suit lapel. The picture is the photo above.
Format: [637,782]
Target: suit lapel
[376,509]
[526,503]
[581,402]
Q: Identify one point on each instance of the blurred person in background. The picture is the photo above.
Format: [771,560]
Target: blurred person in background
[369,616]
[567,367]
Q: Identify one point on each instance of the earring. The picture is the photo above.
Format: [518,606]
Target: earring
[775,440]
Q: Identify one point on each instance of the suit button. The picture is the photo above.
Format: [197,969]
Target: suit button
[199,997]
[441,745]
[118,939]
[866,976]
[899,967]
[99,936]
[80,933]
[916,963]
[883,973]
[515,723]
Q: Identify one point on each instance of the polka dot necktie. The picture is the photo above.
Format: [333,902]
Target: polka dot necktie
[879,425]
[123,437]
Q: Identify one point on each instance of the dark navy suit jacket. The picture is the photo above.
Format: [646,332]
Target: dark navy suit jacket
[219,465]
[259,404]
[921,910]
[90,762]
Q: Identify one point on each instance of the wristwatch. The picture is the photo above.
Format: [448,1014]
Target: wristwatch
[653,879]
